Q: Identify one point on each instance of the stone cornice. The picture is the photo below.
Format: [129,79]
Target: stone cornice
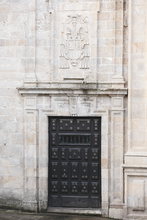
[72,89]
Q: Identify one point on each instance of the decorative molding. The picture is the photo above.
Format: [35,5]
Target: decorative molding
[117,102]
[126,166]
[73,89]
[138,189]
[135,193]
[119,20]
[73,105]
[30,58]
[43,151]
[117,144]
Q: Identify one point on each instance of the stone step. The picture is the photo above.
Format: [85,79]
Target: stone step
[13,215]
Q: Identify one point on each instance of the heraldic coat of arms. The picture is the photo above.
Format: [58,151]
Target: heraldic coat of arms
[74,47]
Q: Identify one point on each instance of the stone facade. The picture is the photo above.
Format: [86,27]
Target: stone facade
[102,75]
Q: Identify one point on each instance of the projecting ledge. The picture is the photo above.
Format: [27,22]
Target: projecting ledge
[72,89]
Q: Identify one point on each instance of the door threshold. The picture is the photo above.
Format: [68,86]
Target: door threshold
[79,211]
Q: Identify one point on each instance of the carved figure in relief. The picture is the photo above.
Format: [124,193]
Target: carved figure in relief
[74,48]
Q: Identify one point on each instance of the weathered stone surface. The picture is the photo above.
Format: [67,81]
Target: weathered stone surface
[66,58]
[10,215]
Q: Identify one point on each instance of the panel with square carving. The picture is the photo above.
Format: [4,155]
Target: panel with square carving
[84,188]
[96,139]
[54,187]
[54,170]
[53,139]
[66,125]
[84,170]
[54,153]
[94,154]
[83,125]
[75,154]
[74,187]
[86,152]
[64,153]
[74,170]
[95,187]
[97,125]
[94,171]
[64,170]
[64,187]
[53,124]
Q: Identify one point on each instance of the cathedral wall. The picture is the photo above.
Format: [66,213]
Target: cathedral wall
[14,41]
[135,156]
[40,76]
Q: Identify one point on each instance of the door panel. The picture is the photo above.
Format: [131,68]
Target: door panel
[75,162]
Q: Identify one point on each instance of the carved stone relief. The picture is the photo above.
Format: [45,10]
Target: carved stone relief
[74,39]
[74,47]
[61,104]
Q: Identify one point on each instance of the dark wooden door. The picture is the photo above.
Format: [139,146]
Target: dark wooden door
[75,162]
